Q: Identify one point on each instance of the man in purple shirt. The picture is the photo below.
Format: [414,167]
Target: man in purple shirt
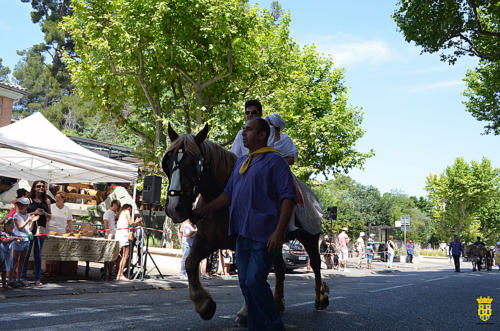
[456,249]
[261,195]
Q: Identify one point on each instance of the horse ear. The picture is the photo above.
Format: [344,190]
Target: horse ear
[202,135]
[172,134]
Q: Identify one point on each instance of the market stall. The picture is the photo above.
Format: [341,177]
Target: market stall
[33,149]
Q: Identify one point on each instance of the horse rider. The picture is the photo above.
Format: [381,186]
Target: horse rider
[479,242]
[260,181]
[282,142]
[253,109]
[278,140]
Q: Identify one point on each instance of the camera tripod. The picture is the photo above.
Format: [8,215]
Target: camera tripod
[142,254]
[329,254]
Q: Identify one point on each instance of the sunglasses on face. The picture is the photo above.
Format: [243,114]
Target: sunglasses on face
[253,112]
[40,186]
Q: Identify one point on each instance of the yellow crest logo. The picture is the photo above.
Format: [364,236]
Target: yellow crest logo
[484,308]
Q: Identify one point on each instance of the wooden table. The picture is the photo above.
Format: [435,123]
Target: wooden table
[88,249]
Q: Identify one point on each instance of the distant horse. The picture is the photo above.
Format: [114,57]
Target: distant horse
[479,254]
[196,166]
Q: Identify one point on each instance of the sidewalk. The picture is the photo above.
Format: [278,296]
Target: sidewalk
[169,260]
[419,263]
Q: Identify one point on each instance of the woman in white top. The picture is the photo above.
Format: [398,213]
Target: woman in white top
[124,221]
[282,142]
[60,216]
[391,246]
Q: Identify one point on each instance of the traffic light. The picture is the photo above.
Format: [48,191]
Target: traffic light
[331,213]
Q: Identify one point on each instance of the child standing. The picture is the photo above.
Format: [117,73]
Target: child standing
[370,253]
[23,225]
[6,239]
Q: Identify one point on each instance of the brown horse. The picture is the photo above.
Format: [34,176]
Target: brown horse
[479,254]
[196,166]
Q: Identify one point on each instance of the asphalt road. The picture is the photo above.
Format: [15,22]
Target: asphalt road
[413,300]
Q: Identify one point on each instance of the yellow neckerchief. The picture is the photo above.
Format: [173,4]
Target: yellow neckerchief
[250,157]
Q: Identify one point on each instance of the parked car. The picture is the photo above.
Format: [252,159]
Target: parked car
[294,255]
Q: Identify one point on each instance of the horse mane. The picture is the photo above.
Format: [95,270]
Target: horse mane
[219,160]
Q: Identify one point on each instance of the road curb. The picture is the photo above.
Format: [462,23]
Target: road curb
[90,288]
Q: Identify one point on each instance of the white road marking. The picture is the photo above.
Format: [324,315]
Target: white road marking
[66,312]
[310,302]
[389,288]
[431,280]
[301,304]
[475,275]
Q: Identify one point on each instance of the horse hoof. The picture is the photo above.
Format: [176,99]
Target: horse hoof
[209,311]
[241,321]
[324,303]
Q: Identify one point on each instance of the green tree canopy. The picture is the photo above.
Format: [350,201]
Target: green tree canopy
[456,28]
[359,205]
[4,72]
[464,200]
[42,72]
[150,62]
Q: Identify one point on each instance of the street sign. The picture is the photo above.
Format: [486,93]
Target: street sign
[405,219]
[405,227]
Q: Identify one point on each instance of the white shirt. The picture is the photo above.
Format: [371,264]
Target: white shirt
[389,248]
[360,243]
[188,228]
[25,232]
[110,216]
[59,218]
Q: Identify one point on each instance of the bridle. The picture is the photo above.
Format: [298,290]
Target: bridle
[175,187]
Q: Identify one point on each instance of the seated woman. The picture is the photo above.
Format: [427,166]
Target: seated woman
[282,142]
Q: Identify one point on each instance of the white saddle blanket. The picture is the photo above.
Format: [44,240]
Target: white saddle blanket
[310,216]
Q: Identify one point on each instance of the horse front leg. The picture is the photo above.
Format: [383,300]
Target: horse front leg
[322,290]
[202,300]
[279,286]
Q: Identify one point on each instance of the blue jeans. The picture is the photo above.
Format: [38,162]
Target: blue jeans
[37,242]
[185,252]
[254,263]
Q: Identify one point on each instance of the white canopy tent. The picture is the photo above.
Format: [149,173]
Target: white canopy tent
[33,149]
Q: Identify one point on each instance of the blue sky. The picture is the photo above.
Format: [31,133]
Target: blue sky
[413,112]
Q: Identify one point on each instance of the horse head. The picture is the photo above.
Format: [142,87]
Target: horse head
[183,163]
